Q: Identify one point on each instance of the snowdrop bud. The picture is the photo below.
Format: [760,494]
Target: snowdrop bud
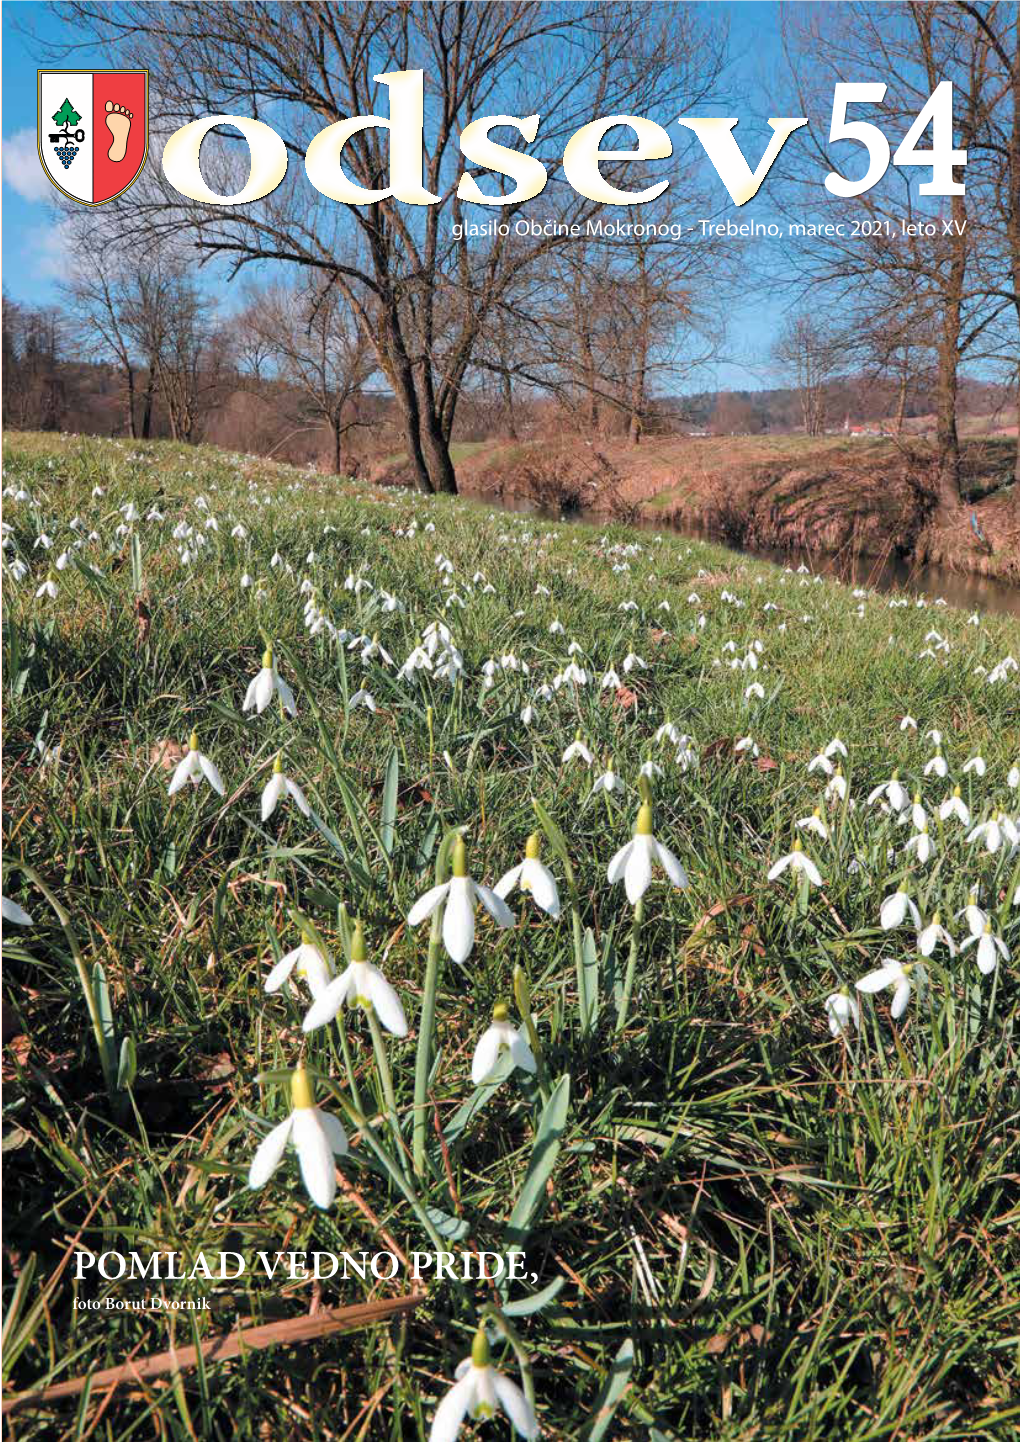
[522,991]
[480,1349]
[302,1094]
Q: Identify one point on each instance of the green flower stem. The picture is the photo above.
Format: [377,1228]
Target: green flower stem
[386,1080]
[345,1047]
[423,1060]
[628,980]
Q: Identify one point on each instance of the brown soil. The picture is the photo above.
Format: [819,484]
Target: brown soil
[868,496]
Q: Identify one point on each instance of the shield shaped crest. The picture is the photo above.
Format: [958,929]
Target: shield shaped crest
[92,129]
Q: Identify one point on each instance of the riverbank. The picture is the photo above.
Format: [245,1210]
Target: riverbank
[852,496]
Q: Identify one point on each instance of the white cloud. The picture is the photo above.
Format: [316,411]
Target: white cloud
[21,168]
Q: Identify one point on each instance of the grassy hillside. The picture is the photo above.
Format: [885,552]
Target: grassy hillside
[738,1220]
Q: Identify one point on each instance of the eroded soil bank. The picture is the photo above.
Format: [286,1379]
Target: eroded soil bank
[868,496]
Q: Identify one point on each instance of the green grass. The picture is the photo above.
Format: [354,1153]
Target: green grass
[762,1231]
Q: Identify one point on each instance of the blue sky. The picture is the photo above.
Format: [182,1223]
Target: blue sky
[34,260]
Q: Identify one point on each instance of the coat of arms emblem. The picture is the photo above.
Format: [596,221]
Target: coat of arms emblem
[93,130]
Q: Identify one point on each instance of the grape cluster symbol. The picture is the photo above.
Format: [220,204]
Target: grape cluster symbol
[67,117]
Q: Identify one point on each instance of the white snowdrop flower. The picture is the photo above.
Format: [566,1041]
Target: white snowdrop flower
[608,781]
[903,977]
[63,561]
[994,831]
[533,878]
[308,961]
[239,533]
[362,984]
[527,715]
[954,805]
[18,569]
[650,770]
[815,824]
[755,690]
[821,763]
[687,757]
[1013,779]
[836,786]
[834,748]
[974,915]
[915,814]
[895,908]
[892,792]
[577,751]
[363,698]
[610,681]
[932,935]
[48,588]
[418,660]
[374,650]
[746,743]
[799,862]
[842,1012]
[194,768]
[42,540]
[479,1392]
[975,764]
[263,686]
[541,590]
[557,629]
[277,787]
[500,1036]
[246,582]
[12,912]
[921,845]
[633,863]
[989,949]
[936,765]
[317,1137]
[627,606]
[461,896]
[632,661]
[667,732]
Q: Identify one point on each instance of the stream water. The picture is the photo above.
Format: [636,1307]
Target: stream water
[969,592]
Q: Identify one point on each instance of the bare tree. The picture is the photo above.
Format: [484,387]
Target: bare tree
[910,49]
[35,392]
[422,291]
[810,355]
[312,341]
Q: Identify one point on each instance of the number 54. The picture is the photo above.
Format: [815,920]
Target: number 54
[937,112]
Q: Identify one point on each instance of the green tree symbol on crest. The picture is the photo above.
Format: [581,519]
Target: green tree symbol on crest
[67,115]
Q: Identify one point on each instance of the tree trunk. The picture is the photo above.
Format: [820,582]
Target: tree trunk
[947,440]
[437,453]
[335,423]
[150,387]
[129,401]
[509,420]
